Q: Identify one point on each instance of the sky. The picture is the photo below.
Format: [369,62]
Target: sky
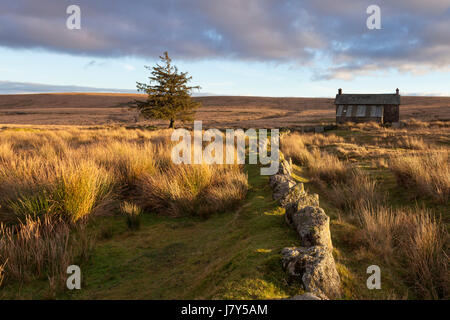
[230,47]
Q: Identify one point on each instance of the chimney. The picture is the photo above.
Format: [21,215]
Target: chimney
[339,91]
[397,91]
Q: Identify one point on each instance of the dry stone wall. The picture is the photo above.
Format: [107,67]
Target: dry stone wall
[312,264]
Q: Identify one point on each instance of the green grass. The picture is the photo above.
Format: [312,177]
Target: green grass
[230,255]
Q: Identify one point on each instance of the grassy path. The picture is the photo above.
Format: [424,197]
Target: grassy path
[234,255]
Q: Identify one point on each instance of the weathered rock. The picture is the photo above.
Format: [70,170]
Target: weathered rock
[313,226]
[297,199]
[305,296]
[315,268]
[276,179]
[281,184]
[293,195]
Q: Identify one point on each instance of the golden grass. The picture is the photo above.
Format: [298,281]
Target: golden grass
[51,181]
[34,186]
[321,165]
[293,146]
[193,189]
[352,151]
[409,142]
[359,190]
[41,248]
[426,174]
[81,187]
[127,161]
[73,171]
[415,236]
[314,139]
[329,169]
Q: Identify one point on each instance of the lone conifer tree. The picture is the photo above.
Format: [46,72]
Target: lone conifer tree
[169,96]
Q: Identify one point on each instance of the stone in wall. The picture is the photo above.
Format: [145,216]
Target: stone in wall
[281,184]
[312,226]
[297,198]
[315,268]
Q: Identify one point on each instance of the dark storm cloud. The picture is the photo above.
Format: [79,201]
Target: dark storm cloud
[414,37]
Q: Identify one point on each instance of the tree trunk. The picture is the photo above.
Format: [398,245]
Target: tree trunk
[171,123]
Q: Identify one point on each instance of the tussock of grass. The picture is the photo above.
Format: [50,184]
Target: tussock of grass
[132,213]
[197,190]
[322,140]
[359,190]
[6,152]
[293,147]
[414,123]
[352,151]
[417,237]
[128,161]
[81,187]
[35,188]
[41,248]
[426,174]
[31,205]
[329,169]
[410,142]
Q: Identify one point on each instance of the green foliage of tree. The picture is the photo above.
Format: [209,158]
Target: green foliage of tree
[169,95]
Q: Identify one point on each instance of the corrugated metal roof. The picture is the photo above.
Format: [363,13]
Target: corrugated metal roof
[367,99]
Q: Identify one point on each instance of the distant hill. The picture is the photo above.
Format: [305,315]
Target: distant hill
[217,111]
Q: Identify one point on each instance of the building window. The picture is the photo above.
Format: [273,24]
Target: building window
[361,112]
[339,110]
[349,111]
[376,111]
[379,111]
